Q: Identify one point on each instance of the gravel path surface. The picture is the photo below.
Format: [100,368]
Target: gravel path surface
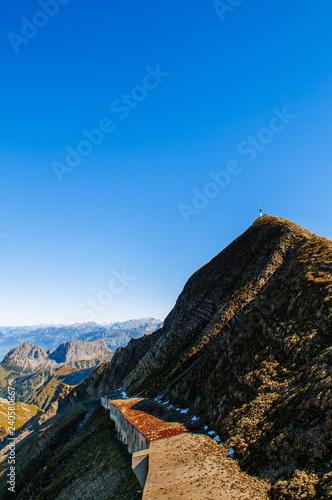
[193,466]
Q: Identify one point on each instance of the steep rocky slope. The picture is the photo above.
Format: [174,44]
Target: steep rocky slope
[111,374]
[248,348]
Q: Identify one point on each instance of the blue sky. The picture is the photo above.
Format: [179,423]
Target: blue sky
[243,95]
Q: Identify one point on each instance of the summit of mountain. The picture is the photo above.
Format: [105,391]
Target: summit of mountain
[247,348]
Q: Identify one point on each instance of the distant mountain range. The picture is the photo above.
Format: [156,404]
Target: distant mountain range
[28,357]
[46,355]
[116,334]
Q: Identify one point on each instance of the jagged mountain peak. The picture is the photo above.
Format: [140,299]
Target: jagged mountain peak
[77,349]
[26,357]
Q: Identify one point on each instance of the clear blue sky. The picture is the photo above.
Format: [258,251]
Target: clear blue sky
[129,204]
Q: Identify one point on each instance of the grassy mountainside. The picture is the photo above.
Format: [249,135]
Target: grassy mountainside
[44,394]
[248,348]
[5,375]
[77,456]
[29,385]
[23,413]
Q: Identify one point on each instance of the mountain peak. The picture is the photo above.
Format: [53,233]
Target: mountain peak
[279,223]
[78,350]
[246,348]
[26,357]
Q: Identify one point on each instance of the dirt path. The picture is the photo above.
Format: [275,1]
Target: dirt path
[193,466]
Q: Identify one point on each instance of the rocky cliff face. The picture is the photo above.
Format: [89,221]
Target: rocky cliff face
[247,348]
[26,357]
